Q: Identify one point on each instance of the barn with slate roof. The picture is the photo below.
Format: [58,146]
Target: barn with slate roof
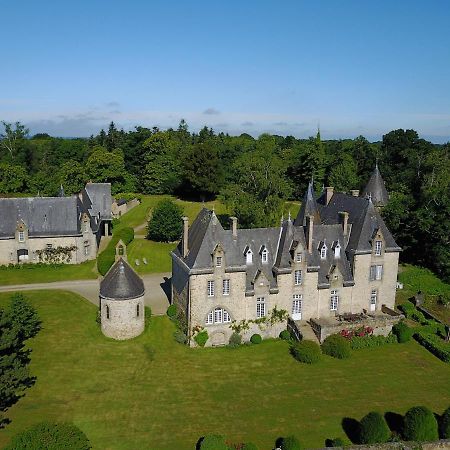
[334,266]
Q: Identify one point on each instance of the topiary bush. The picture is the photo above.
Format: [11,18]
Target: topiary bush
[180,337]
[374,429]
[201,338]
[420,425]
[285,335]
[172,310]
[336,346]
[256,339]
[235,340]
[359,342]
[444,424]
[213,442]
[306,351]
[165,225]
[402,331]
[435,345]
[290,442]
[50,436]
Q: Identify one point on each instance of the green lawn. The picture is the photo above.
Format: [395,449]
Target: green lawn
[44,274]
[156,253]
[152,393]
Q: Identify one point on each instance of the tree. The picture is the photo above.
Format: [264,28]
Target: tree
[165,225]
[72,177]
[24,316]
[51,436]
[13,178]
[374,429]
[11,138]
[420,425]
[343,175]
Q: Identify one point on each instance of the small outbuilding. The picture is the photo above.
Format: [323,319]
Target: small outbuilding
[122,292]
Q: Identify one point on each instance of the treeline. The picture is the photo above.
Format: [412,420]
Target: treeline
[252,176]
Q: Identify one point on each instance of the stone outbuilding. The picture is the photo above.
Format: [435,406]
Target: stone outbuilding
[122,292]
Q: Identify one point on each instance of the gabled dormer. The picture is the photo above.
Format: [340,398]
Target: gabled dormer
[21,232]
[336,247]
[264,254]
[248,254]
[378,242]
[323,249]
[296,251]
[85,223]
[218,256]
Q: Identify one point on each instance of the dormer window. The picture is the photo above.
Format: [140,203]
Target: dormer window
[264,255]
[323,252]
[337,250]
[21,236]
[378,248]
[298,257]
[249,256]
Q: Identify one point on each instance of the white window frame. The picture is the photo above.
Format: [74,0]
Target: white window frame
[374,297]
[210,318]
[87,248]
[265,256]
[334,300]
[297,304]
[260,307]
[297,277]
[226,286]
[218,261]
[323,252]
[210,288]
[376,272]
[249,257]
[21,236]
[217,316]
[298,257]
[337,250]
[378,247]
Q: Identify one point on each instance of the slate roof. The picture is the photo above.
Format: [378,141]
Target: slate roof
[376,189]
[99,201]
[308,207]
[43,216]
[121,282]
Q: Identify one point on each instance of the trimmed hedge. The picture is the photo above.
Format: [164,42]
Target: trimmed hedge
[336,346]
[420,425]
[434,344]
[172,310]
[201,338]
[444,424]
[290,442]
[373,429]
[256,339]
[407,309]
[306,352]
[359,342]
[285,335]
[402,331]
[107,257]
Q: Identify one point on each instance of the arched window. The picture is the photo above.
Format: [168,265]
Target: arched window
[217,316]
[137,310]
[107,311]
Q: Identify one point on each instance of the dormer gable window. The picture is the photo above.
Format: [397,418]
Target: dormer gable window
[323,250]
[264,254]
[378,247]
[21,236]
[248,255]
[218,261]
[298,256]
[337,249]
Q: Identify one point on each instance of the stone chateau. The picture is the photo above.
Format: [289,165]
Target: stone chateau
[334,267]
[55,229]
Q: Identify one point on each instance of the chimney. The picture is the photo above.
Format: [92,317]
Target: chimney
[343,217]
[185,236]
[355,192]
[234,227]
[309,232]
[329,193]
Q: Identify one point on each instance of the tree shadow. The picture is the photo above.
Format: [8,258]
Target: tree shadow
[351,428]
[279,442]
[199,443]
[166,286]
[4,421]
[224,220]
[394,421]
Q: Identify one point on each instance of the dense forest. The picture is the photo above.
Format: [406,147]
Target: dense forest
[252,176]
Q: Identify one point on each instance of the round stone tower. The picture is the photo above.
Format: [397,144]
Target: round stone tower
[122,299]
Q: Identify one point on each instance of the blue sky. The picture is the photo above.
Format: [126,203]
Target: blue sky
[354,66]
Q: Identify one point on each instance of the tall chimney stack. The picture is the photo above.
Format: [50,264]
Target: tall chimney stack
[234,227]
[185,236]
[329,193]
[309,232]
[355,192]
[343,216]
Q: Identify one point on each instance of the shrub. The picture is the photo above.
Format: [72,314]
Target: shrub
[235,340]
[336,442]
[306,351]
[435,345]
[402,331]
[51,436]
[420,425]
[256,339]
[172,310]
[213,442]
[180,337]
[165,224]
[444,424]
[358,342]
[407,309]
[290,442]
[336,346]
[374,429]
[24,316]
[201,338]
[285,335]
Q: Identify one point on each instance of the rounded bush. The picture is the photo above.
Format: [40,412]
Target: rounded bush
[290,442]
[51,436]
[256,339]
[336,346]
[420,425]
[444,424]
[180,337]
[402,331]
[201,338]
[235,340]
[374,429]
[213,442]
[285,335]
[306,351]
[165,224]
[172,310]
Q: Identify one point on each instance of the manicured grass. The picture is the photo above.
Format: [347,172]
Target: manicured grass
[43,274]
[153,393]
[156,253]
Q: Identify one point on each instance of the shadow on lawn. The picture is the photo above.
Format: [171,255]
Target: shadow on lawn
[351,428]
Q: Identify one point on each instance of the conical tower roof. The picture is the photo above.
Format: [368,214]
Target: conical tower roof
[309,207]
[375,189]
[121,282]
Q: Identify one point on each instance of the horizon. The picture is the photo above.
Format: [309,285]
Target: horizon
[237,68]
